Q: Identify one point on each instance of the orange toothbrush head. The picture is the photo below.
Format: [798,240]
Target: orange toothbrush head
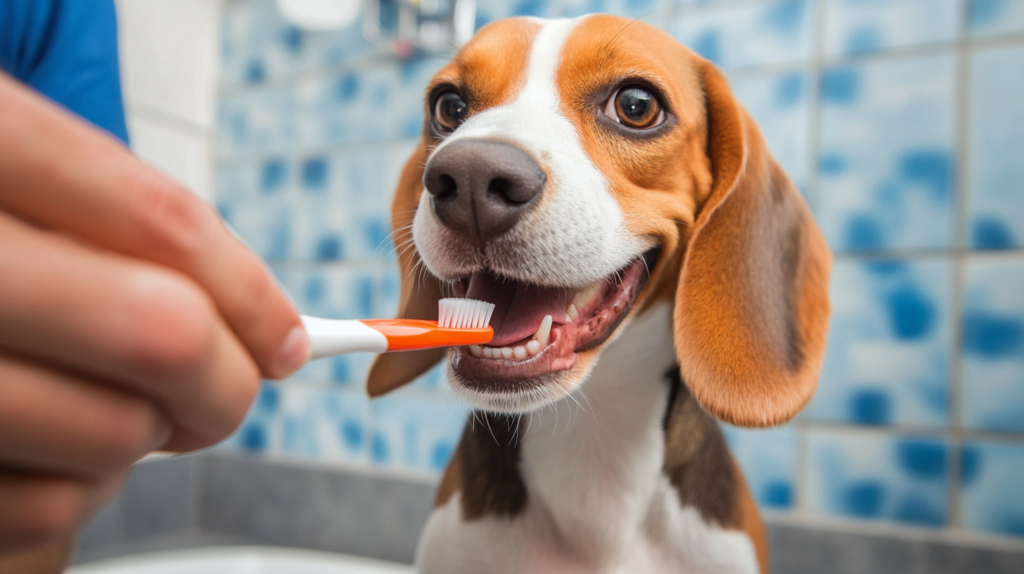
[413,335]
[459,322]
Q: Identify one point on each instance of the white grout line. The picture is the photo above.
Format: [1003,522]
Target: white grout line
[960,195]
[804,425]
[943,433]
[1000,255]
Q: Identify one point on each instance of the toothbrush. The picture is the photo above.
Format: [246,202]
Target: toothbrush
[460,322]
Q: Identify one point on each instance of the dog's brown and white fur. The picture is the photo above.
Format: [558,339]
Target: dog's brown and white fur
[612,461]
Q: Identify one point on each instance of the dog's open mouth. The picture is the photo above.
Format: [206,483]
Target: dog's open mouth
[540,330]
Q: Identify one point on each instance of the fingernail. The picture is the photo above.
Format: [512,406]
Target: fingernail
[294,352]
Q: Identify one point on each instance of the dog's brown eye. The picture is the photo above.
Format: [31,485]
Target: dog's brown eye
[636,107]
[450,111]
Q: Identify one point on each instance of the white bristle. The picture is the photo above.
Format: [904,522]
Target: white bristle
[443,313]
[463,313]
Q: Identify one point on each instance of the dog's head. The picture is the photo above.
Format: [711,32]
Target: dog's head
[582,170]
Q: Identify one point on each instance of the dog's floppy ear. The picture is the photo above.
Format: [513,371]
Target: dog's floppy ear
[420,289]
[752,305]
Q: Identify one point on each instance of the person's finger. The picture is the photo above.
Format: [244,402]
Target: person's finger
[72,177]
[54,556]
[56,423]
[37,509]
[146,328]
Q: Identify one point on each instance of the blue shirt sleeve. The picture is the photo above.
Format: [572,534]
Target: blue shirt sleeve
[66,50]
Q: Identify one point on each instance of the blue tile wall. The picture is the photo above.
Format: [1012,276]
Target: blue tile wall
[351,107]
[256,121]
[343,206]
[309,423]
[891,478]
[263,221]
[901,122]
[887,163]
[259,47]
[888,360]
[416,433]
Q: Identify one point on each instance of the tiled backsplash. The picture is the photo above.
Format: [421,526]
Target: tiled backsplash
[902,121]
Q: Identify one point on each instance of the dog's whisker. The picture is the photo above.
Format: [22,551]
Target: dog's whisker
[487,420]
[515,433]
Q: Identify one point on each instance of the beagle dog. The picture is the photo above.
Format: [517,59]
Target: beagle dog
[652,269]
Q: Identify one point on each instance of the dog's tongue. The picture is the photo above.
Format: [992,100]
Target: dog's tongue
[518,307]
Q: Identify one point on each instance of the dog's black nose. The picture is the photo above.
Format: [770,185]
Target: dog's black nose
[481,188]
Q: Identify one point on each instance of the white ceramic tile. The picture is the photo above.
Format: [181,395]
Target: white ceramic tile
[169,55]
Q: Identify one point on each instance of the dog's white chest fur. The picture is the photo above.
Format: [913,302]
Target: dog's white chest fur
[597,498]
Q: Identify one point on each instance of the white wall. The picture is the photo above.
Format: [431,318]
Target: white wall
[170,50]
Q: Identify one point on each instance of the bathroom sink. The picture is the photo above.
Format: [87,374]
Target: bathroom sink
[241,560]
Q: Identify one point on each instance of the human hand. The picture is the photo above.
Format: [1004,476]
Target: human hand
[131,320]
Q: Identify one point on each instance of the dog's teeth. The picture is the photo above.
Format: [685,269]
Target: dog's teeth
[587,294]
[572,312]
[544,331]
[538,342]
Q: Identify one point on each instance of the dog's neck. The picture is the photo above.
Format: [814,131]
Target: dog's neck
[600,453]
[605,481]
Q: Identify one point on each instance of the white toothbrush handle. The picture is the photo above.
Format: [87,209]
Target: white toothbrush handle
[331,337]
